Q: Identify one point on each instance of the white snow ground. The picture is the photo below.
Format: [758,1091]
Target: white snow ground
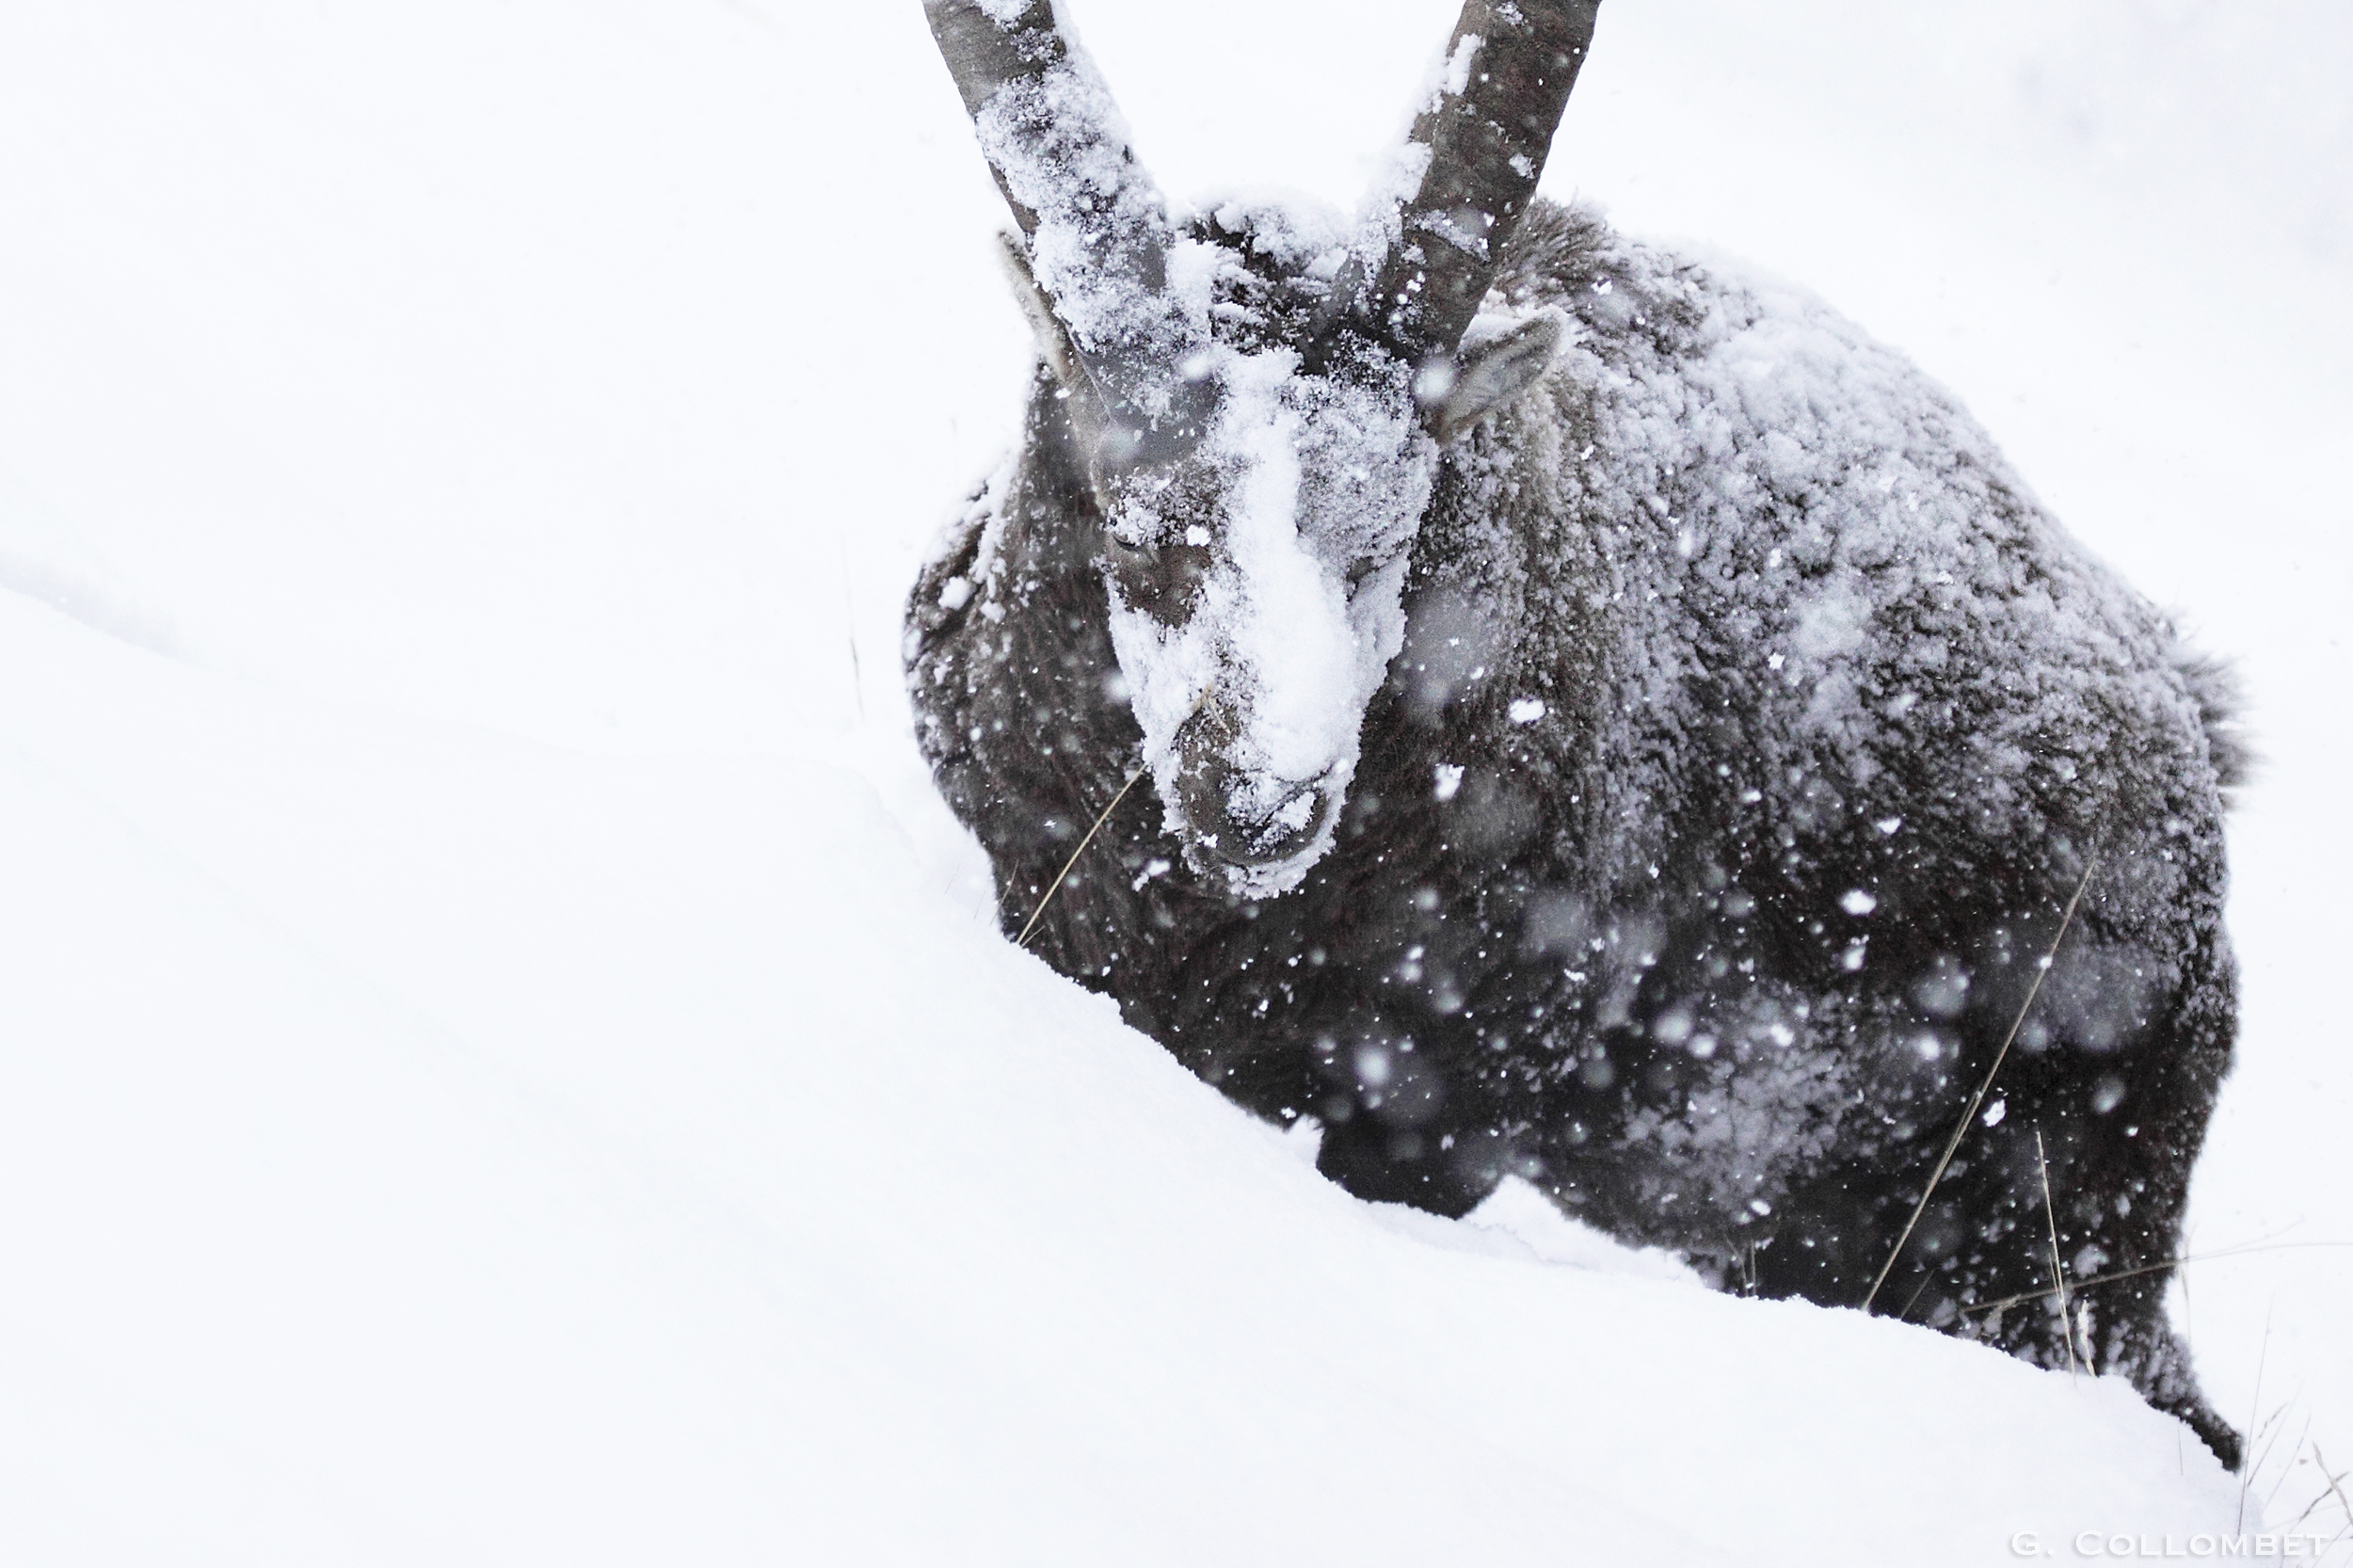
[503,1060]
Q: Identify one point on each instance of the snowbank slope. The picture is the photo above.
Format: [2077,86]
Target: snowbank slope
[417,1145]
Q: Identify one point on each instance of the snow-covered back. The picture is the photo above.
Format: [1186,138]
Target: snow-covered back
[1801,511]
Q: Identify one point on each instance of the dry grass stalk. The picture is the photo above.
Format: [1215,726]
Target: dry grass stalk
[2273,1425]
[1960,1130]
[2336,1489]
[2058,1271]
[2297,1457]
[2332,1479]
[2086,1282]
[1133,774]
[2247,1471]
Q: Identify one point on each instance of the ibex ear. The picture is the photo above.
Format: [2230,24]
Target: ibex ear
[1053,340]
[1484,377]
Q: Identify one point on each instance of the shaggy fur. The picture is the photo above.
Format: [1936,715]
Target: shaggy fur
[1753,728]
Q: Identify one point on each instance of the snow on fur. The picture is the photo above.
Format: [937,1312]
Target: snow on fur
[1750,725]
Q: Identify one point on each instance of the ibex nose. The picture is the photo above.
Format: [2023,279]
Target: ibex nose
[1243,822]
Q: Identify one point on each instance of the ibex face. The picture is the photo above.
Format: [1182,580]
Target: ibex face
[1262,410]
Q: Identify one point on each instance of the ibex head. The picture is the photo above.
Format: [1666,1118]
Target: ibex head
[1262,410]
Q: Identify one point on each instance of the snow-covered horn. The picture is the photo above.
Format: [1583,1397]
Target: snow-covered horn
[1504,84]
[1096,230]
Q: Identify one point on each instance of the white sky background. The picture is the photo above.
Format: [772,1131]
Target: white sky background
[596,372]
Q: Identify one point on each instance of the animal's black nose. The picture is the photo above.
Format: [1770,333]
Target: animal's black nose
[1234,819]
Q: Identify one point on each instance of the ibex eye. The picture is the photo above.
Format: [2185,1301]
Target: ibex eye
[1130,557]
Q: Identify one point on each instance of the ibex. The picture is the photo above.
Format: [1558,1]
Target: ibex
[1573,712]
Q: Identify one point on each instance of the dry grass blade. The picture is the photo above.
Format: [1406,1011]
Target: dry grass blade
[2090,1280]
[2332,1480]
[2294,1457]
[1133,774]
[2058,1271]
[1031,924]
[2247,1471]
[1978,1099]
[2273,1426]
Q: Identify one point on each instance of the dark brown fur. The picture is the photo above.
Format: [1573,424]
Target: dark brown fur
[1512,973]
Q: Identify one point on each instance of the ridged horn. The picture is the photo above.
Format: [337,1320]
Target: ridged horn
[1097,230]
[1509,67]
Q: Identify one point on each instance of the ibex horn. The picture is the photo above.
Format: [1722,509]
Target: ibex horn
[1097,228]
[1509,67]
